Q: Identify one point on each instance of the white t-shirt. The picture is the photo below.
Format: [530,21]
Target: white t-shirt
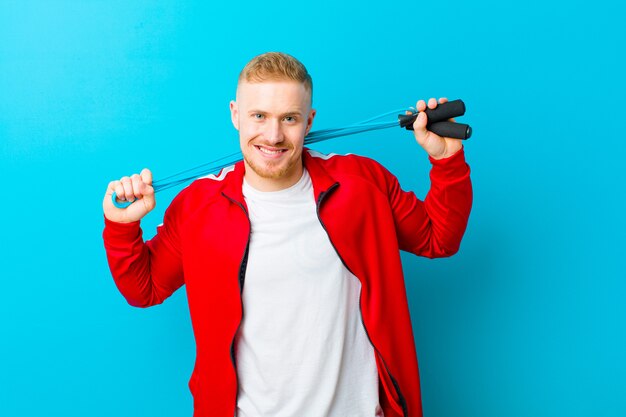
[301,349]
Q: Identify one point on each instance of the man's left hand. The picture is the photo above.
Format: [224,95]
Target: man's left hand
[436,146]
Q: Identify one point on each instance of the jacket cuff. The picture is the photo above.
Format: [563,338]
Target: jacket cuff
[450,167]
[121,231]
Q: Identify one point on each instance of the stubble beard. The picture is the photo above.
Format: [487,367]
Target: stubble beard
[269,171]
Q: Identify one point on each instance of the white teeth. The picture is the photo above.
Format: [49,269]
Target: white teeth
[267,151]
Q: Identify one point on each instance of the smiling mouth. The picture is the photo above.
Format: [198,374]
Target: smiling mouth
[270,151]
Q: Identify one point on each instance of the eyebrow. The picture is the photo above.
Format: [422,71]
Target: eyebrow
[290,113]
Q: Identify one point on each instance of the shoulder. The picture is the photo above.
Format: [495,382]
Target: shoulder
[350,165]
[214,182]
[204,190]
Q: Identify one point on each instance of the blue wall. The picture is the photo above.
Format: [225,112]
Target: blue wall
[527,320]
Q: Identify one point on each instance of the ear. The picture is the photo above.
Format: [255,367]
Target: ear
[309,122]
[234,113]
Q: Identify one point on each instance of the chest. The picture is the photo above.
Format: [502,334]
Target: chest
[287,239]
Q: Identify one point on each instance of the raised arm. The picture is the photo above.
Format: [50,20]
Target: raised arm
[146,273]
[434,227]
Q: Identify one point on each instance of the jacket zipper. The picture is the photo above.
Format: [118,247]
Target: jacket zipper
[405,412]
[241,279]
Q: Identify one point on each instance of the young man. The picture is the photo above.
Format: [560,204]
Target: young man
[291,260]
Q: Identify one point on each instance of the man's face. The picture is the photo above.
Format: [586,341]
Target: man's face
[272,117]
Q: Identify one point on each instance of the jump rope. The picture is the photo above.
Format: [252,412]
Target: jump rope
[437,123]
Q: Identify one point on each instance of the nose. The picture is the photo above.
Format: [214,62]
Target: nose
[274,132]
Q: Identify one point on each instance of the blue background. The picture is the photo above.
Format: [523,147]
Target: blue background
[528,319]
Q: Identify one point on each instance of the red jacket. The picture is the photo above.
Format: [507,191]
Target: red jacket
[203,243]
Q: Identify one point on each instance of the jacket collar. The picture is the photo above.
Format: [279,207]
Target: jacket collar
[233,183]
[322,181]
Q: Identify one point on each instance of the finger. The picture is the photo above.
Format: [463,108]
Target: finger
[138,185]
[443,100]
[419,127]
[111,188]
[146,176]
[421,105]
[432,103]
[148,190]
[119,191]
[128,188]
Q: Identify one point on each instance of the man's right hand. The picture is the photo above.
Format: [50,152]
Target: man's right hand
[136,187]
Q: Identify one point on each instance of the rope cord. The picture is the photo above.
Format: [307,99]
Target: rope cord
[215,166]
[436,116]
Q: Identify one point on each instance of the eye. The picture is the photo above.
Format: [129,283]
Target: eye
[257,116]
[290,119]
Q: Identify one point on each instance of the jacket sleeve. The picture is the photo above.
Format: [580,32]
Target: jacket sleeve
[434,227]
[146,273]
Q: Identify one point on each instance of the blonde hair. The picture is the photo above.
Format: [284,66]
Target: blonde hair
[276,66]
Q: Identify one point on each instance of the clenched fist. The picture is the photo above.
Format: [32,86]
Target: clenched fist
[138,189]
[436,146]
